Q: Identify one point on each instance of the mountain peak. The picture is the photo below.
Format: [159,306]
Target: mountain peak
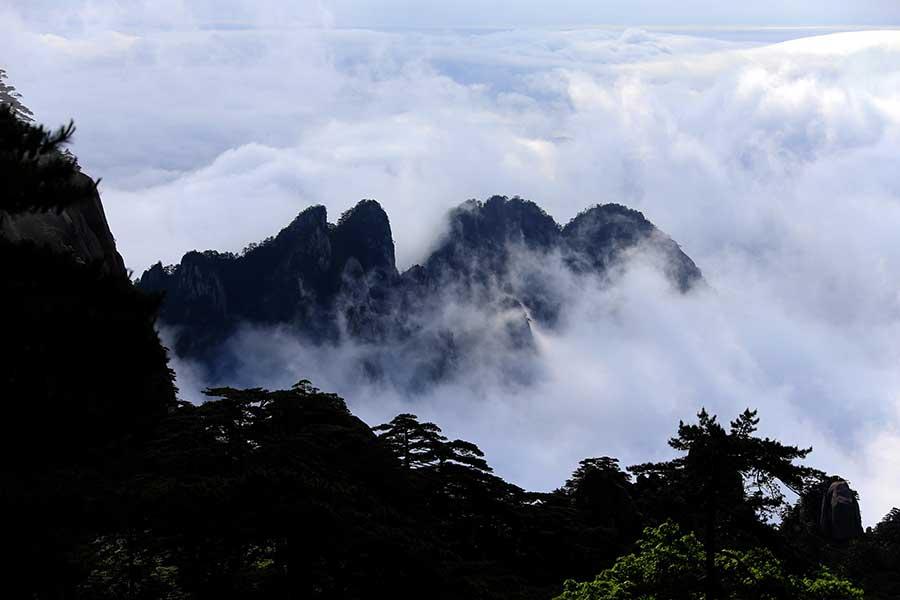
[313,216]
[367,208]
[364,234]
[498,221]
[340,281]
[598,237]
[601,215]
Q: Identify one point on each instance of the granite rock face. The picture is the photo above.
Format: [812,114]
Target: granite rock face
[79,230]
[840,518]
[301,278]
[599,237]
[480,291]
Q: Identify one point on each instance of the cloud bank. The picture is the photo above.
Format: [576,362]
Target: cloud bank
[773,165]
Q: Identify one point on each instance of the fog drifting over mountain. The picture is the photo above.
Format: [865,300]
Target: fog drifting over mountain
[773,165]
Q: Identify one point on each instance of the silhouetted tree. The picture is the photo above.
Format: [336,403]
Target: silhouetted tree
[603,491]
[35,172]
[415,444]
[9,96]
[593,477]
[728,478]
[463,453]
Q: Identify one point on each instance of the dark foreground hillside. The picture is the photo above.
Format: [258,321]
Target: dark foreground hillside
[110,488]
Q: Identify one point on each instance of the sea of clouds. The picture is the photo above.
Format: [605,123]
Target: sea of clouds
[774,165]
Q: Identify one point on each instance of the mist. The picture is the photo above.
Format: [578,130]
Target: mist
[773,165]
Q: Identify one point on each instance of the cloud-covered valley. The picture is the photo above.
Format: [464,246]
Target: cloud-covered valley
[774,166]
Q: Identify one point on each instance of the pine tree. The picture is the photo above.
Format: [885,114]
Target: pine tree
[416,444]
[35,171]
[463,453]
[729,476]
[9,96]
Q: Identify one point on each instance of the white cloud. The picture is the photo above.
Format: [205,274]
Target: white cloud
[774,166]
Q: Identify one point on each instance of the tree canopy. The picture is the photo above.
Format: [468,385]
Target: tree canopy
[669,564]
[36,172]
[726,481]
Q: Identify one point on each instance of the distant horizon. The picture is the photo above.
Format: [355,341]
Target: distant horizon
[409,14]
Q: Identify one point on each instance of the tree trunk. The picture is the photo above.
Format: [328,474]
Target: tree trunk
[709,547]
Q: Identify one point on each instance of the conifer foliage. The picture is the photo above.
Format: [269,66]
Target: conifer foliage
[35,171]
[420,445]
[727,480]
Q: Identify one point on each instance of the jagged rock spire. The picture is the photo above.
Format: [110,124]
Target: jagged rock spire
[339,282]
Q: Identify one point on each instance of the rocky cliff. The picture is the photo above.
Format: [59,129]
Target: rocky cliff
[74,223]
[85,369]
[485,284]
[840,519]
[79,230]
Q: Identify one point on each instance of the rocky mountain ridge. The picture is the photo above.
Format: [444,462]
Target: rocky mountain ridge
[333,283]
